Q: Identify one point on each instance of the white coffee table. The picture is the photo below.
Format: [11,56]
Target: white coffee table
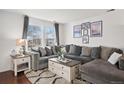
[68,71]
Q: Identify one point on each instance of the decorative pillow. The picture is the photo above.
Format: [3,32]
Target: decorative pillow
[117,50]
[78,50]
[74,50]
[95,52]
[121,62]
[86,51]
[36,49]
[48,51]
[53,48]
[42,51]
[113,59]
[105,52]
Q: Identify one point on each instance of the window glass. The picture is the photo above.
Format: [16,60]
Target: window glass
[44,35]
[50,36]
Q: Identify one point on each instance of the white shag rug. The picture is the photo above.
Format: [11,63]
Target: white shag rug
[46,77]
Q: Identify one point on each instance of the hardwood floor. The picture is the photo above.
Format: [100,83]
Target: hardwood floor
[9,78]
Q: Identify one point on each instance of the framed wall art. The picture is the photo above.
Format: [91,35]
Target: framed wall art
[85,28]
[85,39]
[85,25]
[77,31]
[96,29]
[85,32]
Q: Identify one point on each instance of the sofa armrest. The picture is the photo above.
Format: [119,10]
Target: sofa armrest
[34,59]
[121,63]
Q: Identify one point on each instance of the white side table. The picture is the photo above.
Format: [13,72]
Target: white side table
[21,63]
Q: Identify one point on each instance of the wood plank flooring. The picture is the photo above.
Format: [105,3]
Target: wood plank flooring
[9,78]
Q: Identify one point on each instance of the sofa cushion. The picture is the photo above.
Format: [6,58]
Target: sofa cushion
[75,50]
[86,51]
[48,51]
[73,57]
[105,52]
[91,65]
[78,58]
[95,52]
[45,58]
[42,51]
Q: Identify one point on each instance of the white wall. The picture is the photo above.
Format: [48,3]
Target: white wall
[11,27]
[113,31]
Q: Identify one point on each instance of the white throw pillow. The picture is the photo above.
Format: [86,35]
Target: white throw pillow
[113,59]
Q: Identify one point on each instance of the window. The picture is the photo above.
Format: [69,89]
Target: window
[50,36]
[44,35]
[34,35]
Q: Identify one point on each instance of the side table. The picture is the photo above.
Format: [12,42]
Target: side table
[21,63]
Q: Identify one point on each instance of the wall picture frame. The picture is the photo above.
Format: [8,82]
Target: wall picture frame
[77,31]
[85,32]
[85,28]
[96,29]
[85,39]
[85,25]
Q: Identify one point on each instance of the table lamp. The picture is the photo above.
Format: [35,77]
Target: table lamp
[22,43]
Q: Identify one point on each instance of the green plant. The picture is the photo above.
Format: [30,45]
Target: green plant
[60,53]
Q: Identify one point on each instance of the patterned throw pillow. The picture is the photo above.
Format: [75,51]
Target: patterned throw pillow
[48,51]
[42,51]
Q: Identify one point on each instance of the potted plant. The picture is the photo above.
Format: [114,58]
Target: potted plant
[60,53]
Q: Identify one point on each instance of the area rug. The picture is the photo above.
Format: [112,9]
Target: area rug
[46,77]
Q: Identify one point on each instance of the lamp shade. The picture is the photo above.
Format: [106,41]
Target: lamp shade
[20,42]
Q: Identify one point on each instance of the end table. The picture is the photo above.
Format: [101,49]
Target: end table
[21,63]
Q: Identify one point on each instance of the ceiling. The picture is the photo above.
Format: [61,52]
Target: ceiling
[60,15]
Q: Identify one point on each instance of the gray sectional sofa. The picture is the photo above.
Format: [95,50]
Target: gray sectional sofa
[94,67]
